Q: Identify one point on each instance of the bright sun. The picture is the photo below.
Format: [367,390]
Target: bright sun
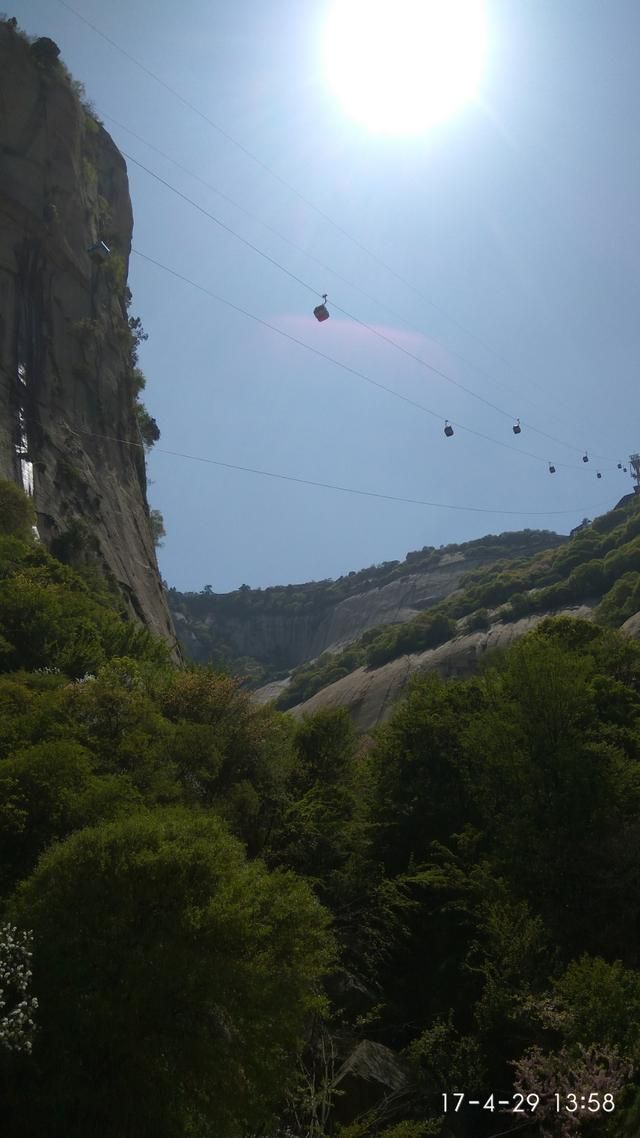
[401,66]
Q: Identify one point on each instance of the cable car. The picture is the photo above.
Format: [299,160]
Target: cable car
[624,470]
[552,469]
[619,466]
[585,457]
[99,252]
[516,427]
[448,429]
[598,475]
[321,312]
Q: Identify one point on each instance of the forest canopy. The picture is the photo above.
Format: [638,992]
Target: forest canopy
[253,927]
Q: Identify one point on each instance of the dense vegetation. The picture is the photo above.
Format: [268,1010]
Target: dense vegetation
[223,903]
[601,563]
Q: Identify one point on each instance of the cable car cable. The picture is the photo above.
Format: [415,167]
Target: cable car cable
[328,268]
[263,165]
[292,189]
[331,485]
[227,228]
[312,289]
[338,363]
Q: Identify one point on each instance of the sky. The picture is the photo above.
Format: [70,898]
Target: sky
[501,247]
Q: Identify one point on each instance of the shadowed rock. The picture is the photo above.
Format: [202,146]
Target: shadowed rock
[64,336]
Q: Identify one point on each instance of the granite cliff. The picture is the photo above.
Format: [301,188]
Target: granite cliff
[594,576]
[69,429]
[370,693]
[268,632]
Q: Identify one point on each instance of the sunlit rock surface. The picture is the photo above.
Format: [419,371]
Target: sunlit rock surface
[369,695]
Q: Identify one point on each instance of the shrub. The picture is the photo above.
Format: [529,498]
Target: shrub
[156,523]
[116,271]
[621,602]
[149,429]
[478,620]
[17,512]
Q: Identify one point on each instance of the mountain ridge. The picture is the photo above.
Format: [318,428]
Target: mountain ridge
[264,633]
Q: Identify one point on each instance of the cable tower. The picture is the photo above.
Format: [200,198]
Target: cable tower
[634,462]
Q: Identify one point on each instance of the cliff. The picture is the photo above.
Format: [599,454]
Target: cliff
[284,636]
[67,350]
[266,633]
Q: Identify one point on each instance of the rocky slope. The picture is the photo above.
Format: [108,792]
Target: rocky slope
[67,389]
[369,694]
[595,576]
[283,627]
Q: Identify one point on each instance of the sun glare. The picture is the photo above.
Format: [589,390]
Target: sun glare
[401,66]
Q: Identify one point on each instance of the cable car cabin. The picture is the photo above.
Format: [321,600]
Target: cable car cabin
[321,312]
[99,252]
[552,469]
[585,458]
[516,427]
[448,429]
[598,475]
[619,466]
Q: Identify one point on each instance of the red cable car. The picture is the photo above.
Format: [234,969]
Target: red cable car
[321,312]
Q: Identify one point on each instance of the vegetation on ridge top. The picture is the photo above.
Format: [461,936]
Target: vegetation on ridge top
[600,564]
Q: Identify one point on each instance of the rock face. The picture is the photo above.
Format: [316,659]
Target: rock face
[68,427]
[393,603]
[370,695]
[292,637]
[275,628]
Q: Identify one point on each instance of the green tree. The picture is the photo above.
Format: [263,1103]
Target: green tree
[156,521]
[47,791]
[622,600]
[319,831]
[174,980]
[598,1002]
[478,620]
[244,755]
[420,791]
[17,513]
[49,618]
[149,429]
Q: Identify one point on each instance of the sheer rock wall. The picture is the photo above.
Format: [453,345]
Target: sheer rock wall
[65,367]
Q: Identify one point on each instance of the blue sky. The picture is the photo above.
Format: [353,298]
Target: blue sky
[514,234]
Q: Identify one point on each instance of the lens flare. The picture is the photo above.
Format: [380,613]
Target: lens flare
[401,67]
